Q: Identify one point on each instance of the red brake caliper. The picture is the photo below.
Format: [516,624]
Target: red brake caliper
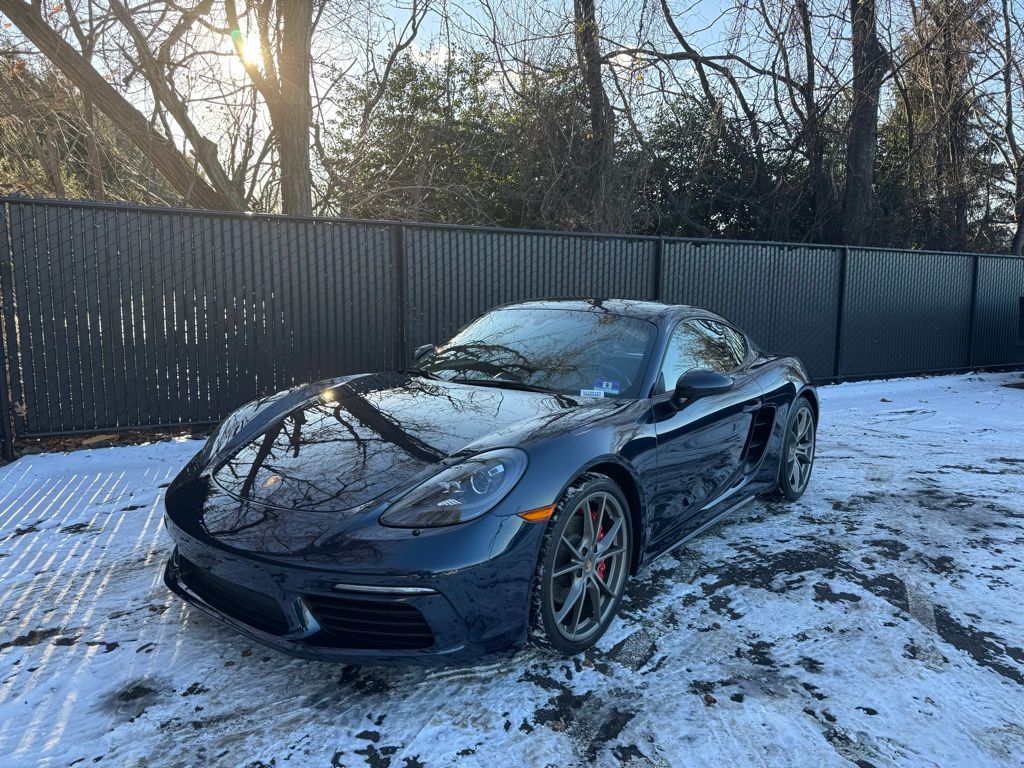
[602,567]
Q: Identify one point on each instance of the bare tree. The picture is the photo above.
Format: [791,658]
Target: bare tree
[282,77]
[179,171]
[602,120]
[775,119]
[1002,125]
[45,150]
[870,64]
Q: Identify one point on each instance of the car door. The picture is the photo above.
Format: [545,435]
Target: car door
[699,446]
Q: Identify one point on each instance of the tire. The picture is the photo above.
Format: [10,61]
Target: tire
[569,568]
[797,459]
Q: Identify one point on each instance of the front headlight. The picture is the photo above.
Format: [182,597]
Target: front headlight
[460,493]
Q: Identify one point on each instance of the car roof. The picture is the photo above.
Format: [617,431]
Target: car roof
[644,310]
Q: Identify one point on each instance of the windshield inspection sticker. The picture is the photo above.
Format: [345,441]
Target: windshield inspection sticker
[591,393]
[608,387]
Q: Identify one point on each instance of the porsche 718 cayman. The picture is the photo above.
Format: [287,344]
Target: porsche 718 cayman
[504,490]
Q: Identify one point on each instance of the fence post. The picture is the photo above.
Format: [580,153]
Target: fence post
[659,267]
[398,275]
[844,258]
[974,310]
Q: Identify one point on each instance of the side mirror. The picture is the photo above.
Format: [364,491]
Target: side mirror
[698,383]
[421,350]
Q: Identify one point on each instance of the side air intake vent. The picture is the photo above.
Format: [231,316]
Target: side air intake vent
[760,432]
[247,606]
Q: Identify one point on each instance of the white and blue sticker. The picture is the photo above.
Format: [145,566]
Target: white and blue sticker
[591,393]
[608,387]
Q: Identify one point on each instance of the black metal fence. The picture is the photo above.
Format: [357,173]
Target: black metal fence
[117,316]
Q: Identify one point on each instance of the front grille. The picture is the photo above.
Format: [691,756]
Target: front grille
[369,624]
[248,606]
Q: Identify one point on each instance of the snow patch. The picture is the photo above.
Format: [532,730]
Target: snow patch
[876,621]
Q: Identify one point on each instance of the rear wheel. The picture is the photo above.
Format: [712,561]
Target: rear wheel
[583,568]
[797,452]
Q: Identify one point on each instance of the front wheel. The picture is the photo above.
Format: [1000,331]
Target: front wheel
[583,568]
[797,452]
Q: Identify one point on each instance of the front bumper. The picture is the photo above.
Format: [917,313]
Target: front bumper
[371,615]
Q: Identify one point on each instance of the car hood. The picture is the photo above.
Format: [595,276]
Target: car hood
[357,443]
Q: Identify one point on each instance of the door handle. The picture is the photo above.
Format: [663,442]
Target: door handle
[751,406]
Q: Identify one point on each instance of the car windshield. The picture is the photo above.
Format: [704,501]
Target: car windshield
[586,353]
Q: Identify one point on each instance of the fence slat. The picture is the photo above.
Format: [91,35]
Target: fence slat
[998,337]
[453,275]
[139,317]
[8,372]
[785,296]
[905,312]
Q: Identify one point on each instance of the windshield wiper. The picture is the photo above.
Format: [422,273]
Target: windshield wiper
[506,384]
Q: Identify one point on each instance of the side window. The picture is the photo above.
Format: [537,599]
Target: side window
[683,354]
[724,348]
[736,341]
[701,344]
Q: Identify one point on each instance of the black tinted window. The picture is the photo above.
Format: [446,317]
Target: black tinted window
[701,344]
[732,338]
[568,351]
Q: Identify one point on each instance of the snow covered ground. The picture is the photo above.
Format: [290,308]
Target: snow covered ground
[878,622]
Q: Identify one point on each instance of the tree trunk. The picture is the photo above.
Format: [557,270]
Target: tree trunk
[292,117]
[818,183]
[602,123]
[284,86]
[870,63]
[1017,246]
[1016,155]
[179,171]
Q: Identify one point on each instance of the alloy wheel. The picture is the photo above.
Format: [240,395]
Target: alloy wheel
[801,450]
[590,566]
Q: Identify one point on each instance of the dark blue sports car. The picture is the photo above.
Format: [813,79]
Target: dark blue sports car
[503,491]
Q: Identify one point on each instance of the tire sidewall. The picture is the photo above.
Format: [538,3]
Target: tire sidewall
[545,629]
